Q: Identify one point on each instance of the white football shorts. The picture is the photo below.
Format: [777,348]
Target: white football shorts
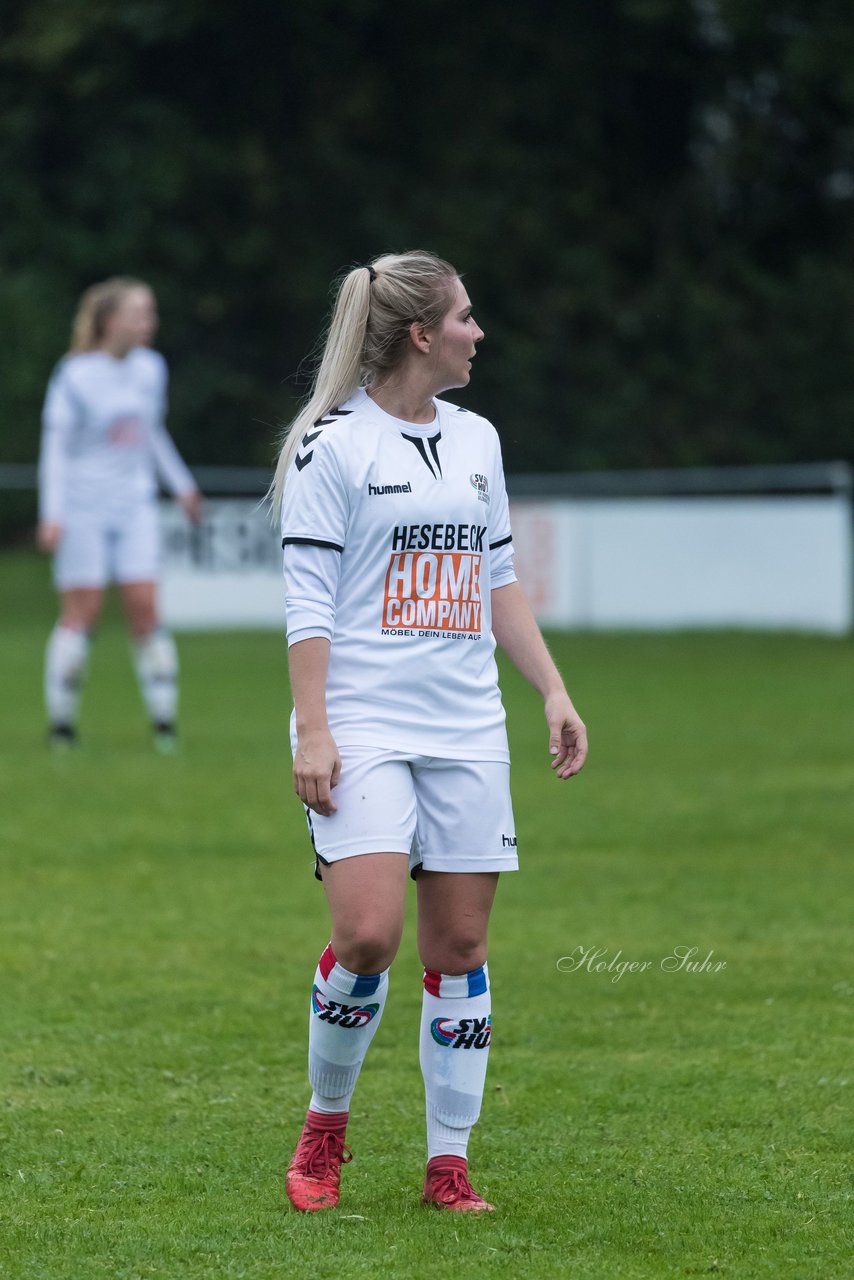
[93,552]
[447,815]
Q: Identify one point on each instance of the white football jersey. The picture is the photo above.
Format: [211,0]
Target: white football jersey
[419,517]
[103,439]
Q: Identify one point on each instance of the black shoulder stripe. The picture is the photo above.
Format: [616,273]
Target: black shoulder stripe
[310,542]
[331,415]
[502,542]
[303,459]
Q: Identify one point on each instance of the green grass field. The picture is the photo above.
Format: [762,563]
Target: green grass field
[159,927]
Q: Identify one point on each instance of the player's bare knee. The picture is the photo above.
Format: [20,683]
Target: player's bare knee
[366,949]
[143,620]
[455,954]
[81,615]
[145,624]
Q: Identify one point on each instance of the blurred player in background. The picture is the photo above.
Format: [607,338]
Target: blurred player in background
[104,447]
[399,580]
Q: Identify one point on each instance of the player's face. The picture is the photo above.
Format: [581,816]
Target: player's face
[458,335]
[134,321]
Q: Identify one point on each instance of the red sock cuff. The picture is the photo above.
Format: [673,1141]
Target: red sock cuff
[327,962]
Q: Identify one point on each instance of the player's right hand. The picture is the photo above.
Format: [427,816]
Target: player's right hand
[317,768]
[48,535]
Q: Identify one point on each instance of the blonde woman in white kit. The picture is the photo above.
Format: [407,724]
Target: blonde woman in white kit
[104,448]
[399,574]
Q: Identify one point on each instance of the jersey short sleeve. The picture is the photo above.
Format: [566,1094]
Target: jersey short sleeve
[311,574]
[315,505]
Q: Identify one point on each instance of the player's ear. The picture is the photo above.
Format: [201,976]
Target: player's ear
[421,338]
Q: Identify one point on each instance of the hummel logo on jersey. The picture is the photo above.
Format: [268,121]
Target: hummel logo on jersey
[509,842]
[303,459]
[378,490]
[481,485]
[468,1033]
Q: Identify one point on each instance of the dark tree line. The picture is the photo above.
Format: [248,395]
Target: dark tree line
[651,201]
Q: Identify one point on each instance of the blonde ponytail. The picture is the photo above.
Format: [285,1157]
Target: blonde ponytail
[338,375]
[367,337]
[94,310]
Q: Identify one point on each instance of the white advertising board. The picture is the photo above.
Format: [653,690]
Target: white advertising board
[765,563]
[226,572]
[648,563]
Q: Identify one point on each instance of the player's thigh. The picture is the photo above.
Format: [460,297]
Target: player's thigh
[453,919]
[81,561]
[80,607]
[136,550]
[465,816]
[139,601]
[363,851]
[367,900]
[375,807]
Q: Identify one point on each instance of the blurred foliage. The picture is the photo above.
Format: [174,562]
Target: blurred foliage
[651,201]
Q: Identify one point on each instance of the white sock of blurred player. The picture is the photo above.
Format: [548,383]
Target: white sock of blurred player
[456,1023]
[65,668]
[156,662]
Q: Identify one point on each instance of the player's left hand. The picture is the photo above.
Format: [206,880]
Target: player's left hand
[191,504]
[48,535]
[567,735]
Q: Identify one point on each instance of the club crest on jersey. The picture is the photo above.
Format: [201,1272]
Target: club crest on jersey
[481,485]
[343,1015]
[467,1033]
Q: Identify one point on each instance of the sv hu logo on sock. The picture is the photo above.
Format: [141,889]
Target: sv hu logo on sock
[468,1033]
[342,1015]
